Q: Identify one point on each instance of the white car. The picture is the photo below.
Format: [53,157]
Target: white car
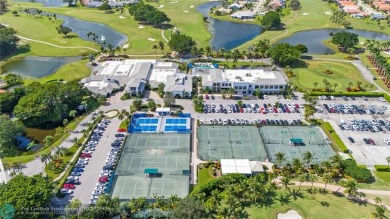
[382,99]
[66,191]
[302,105]
[86,152]
[265,97]
[73,177]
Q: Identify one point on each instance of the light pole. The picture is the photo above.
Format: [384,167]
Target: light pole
[283,133]
[311,133]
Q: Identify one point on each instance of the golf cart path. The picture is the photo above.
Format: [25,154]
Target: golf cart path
[54,45]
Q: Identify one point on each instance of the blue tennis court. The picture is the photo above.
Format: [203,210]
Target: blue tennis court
[175,128]
[141,121]
[145,128]
[176,121]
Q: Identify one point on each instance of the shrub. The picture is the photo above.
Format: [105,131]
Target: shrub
[327,127]
[382,168]
[327,71]
[361,174]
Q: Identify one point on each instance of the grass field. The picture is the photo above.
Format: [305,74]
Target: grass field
[72,71]
[382,182]
[204,175]
[343,73]
[385,176]
[310,208]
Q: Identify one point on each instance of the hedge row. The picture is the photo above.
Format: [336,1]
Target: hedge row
[335,138]
[361,174]
[352,94]
[72,164]
[382,168]
[211,185]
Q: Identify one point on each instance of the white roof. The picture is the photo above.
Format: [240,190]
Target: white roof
[256,166]
[123,69]
[163,109]
[100,84]
[241,166]
[160,74]
[109,67]
[247,75]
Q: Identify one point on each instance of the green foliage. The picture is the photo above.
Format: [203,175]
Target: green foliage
[13,79]
[302,48]
[295,5]
[63,30]
[191,208]
[271,20]
[137,103]
[169,99]
[8,131]
[160,89]
[181,43]
[382,168]
[345,40]
[8,40]
[218,183]
[104,7]
[25,192]
[284,54]
[361,174]
[48,103]
[152,105]
[9,100]
[148,14]
[334,137]
[198,103]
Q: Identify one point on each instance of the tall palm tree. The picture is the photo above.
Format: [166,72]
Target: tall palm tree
[308,158]
[312,178]
[209,52]
[280,158]
[327,178]
[350,186]
[161,45]
[48,140]
[297,165]
[46,158]
[236,55]
[388,160]
[215,199]
[378,200]
[315,84]
[286,181]
[303,178]
[379,212]
[224,212]
[335,85]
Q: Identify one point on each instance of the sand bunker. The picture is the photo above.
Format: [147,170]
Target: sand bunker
[161,6]
[328,12]
[192,6]
[290,214]
[151,39]
[125,46]
[121,17]
[304,14]
[141,27]
[185,11]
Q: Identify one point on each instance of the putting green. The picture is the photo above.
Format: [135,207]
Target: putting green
[343,73]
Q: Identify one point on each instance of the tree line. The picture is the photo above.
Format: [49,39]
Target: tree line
[148,14]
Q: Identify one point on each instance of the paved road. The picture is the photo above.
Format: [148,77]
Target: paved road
[36,166]
[90,176]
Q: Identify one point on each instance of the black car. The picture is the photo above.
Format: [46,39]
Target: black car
[351,140]
[79,165]
[265,105]
[108,167]
[299,121]
[295,122]
[277,122]
[353,98]
[116,144]
[268,121]
[272,122]
[119,135]
[366,141]
[281,121]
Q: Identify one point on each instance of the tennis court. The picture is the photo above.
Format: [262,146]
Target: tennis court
[176,125]
[283,139]
[144,125]
[166,154]
[221,142]
[175,121]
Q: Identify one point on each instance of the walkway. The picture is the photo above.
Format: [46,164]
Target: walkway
[195,161]
[62,47]
[163,35]
[3,174]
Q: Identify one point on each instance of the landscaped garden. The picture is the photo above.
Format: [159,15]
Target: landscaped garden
[343,75]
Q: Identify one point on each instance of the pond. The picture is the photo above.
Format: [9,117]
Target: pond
[82,28]
[226,34]
[39,134]
[313,39]
[48,3]
[37,67]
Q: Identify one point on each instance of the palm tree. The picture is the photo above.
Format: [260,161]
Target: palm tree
[312,178]
[378,200]
[280,158]
[155,47]
[350,84]
[379,212]
[72,113]
[308,158]
[388,160]
[208,51]
[327,178]
[335,85]
[46,158]
[48,140]
[303,178]
[297,165]
[236,55]
[224,212]
[315,84]
[350,186]
[285,181]
[161,45]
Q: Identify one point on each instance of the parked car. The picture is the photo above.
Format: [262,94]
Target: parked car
[103,179]
[85,155]
[66,191]
[350,139]
[78,170]
[72,181]
[68,186]
[75,173]
[121,130]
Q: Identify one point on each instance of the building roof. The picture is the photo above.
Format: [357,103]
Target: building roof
[240,14]
[161,71]
[102,87]
[256,166]
[258,76]
[241,166]
[163,109]
[235,5]
[178,82]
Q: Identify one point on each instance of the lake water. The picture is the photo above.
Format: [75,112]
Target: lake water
[37,67]
[226,34]
[313,39]
[48,3]
[82,28]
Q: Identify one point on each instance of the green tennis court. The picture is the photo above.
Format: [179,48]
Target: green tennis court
[166,155]
[305,138]
[220,142]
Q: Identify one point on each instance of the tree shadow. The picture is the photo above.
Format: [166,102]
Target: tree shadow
[299,64]
[338,194]
[70,36]
[295,194]
[283,199]
[25,48]
[360,202]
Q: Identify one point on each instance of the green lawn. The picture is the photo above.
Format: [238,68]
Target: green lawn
[385,176]
[382,182]
[204,175]
[66,160]
[310,208]
[343,73]
[72,71]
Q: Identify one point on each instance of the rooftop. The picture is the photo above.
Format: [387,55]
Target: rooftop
[241,166]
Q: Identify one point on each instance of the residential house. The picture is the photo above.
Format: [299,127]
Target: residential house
[242,15]
[275,4]
[224,11]
[179,84]
[235,6]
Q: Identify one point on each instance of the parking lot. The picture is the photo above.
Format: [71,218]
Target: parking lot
[362,124]
[247,112]
[92,171]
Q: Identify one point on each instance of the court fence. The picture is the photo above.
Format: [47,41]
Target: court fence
[265,146]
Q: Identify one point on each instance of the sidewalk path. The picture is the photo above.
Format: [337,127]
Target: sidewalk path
[163,35]
[195,161]
[62,47]
[3,174]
